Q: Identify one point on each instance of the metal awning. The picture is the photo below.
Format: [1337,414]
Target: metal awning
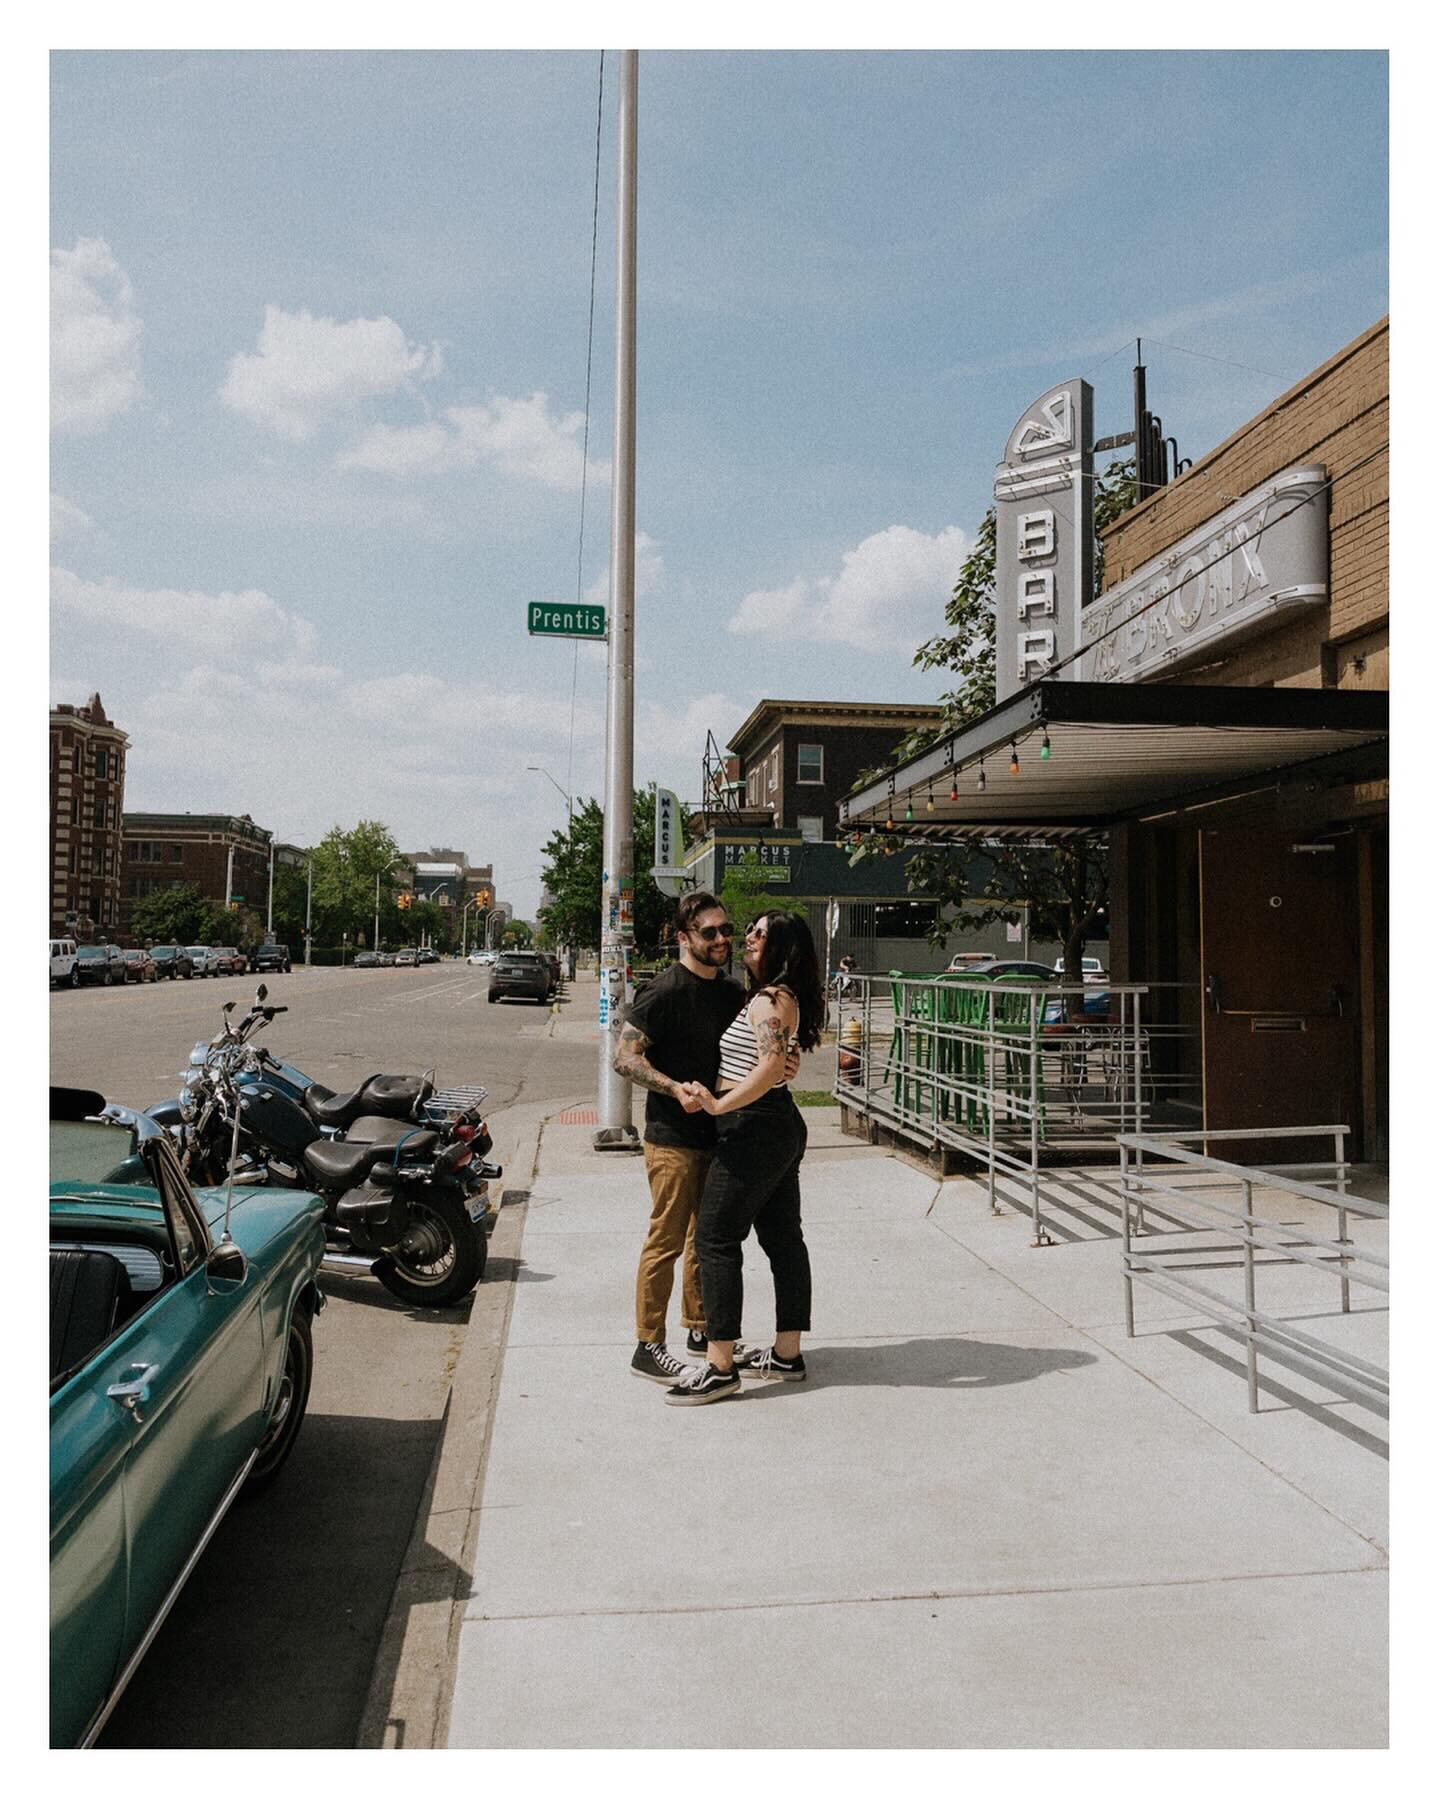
[1117,752]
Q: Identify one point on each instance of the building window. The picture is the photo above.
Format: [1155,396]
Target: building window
[102,765]
[74,859]
[811,829]
[810,762]
[100,814]
[177,853]
[752,788]
[772,771]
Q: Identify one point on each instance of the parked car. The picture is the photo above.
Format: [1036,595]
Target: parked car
[1091,968]
[140,966]
[967,962]
[100,964]
[556,976]
[1039,970]
[270,958]
[180,1362]
[230,961]
[202,959]
[405,959]
[62,963]
[387,959]
[427,955]
[367,959]
[172,961]
[480,959]
[522,972]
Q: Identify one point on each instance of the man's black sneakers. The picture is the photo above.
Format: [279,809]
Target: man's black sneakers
[697,1387]
[696,1343]
[656,1363]
[765,1365]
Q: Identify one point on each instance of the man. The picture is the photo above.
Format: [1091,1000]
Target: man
[671,1036]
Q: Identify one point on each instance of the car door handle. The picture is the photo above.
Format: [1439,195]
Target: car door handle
[135,1393]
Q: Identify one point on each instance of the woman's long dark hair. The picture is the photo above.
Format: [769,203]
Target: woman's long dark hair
[789,961]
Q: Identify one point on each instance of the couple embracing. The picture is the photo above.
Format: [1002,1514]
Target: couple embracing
[723,1143]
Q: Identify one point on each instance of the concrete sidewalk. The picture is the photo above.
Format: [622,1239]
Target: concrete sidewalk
[988,1519]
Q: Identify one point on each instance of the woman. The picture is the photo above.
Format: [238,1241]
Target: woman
[755,1176]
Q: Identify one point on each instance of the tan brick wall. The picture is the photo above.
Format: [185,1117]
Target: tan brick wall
[1338,416]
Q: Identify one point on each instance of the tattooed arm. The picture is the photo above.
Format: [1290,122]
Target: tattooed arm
[629,1061]
[773,1020]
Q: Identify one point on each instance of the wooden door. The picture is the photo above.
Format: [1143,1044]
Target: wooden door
[1279,963]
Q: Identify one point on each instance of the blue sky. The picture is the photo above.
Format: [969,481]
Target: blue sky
[318,379]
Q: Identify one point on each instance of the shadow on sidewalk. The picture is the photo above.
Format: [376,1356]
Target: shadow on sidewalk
[939,1362]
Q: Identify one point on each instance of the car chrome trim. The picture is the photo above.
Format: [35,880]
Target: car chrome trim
[97,1725]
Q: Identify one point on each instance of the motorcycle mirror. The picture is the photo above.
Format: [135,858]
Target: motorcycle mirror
[261,992]
[228,1007]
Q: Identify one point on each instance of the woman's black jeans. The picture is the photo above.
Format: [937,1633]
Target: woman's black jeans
[754,1180]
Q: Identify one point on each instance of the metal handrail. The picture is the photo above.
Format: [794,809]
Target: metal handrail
[1338,1256]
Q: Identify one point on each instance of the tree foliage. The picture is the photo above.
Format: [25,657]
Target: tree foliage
[574,868]
[347,864]
[180,915]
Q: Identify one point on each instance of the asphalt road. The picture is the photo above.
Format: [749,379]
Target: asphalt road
[272,1642]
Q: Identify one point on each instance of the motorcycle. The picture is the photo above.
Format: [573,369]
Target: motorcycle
[399,1165]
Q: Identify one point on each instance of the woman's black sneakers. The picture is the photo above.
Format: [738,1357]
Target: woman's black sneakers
[696,1343]
[765,1365]
[656,1363]
[698,1387]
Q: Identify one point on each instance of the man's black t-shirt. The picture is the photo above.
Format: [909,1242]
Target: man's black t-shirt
[682,1015]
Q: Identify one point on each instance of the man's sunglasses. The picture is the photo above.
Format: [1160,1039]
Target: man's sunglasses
[711,932]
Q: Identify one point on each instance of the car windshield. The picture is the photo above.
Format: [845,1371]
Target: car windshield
[91,1150]
[92,953]
[196,950]
[164,951]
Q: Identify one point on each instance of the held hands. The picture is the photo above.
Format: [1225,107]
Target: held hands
[694,1096]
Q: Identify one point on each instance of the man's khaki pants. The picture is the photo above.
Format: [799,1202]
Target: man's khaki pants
[677,1178]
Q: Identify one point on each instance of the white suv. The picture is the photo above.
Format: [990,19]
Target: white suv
[62,963]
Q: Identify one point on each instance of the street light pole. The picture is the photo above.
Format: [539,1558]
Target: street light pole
[270,899]
[309,894]
[617,892]
[535,769]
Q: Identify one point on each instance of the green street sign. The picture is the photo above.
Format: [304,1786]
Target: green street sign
[566,621]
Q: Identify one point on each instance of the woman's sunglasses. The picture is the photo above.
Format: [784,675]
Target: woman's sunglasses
[711,932]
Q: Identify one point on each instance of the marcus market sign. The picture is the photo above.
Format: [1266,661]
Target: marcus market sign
[1261,560]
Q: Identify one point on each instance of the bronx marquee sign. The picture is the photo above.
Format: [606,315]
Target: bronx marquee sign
[1044,537]
[1250,568]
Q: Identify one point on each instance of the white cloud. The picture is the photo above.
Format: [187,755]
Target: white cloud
[520,436]
[306,370]
[889,593]
[66,519]
[94,338]
[241,627]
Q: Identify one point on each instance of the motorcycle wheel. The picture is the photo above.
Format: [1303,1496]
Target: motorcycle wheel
[289,1410]
[443,1257]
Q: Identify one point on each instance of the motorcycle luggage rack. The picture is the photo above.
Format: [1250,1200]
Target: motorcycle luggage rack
[444,1104]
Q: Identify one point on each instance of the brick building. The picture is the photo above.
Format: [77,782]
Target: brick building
[800,758]
[164,850]
[87,800]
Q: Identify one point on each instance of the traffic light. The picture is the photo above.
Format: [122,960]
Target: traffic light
[404,901]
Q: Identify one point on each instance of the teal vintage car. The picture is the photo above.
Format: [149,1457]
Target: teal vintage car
[180,1361]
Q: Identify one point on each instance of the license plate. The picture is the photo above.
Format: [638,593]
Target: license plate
[477,1203]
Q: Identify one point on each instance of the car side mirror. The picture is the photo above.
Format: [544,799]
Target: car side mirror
[225,1266]
[261,992]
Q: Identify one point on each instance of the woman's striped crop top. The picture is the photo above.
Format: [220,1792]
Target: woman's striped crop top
[739,1052]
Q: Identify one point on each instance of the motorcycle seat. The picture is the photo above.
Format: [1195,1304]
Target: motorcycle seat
[347,1163]
[326,1107]
[397,1096]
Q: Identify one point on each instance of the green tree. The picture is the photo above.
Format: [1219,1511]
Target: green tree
[519,934]
[572,874]
[347,864]
[179,915]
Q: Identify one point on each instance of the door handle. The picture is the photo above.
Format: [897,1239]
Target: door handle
[134,1394]
[1212,992]
[1337,1000]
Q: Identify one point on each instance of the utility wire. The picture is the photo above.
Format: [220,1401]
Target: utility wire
[585,449]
